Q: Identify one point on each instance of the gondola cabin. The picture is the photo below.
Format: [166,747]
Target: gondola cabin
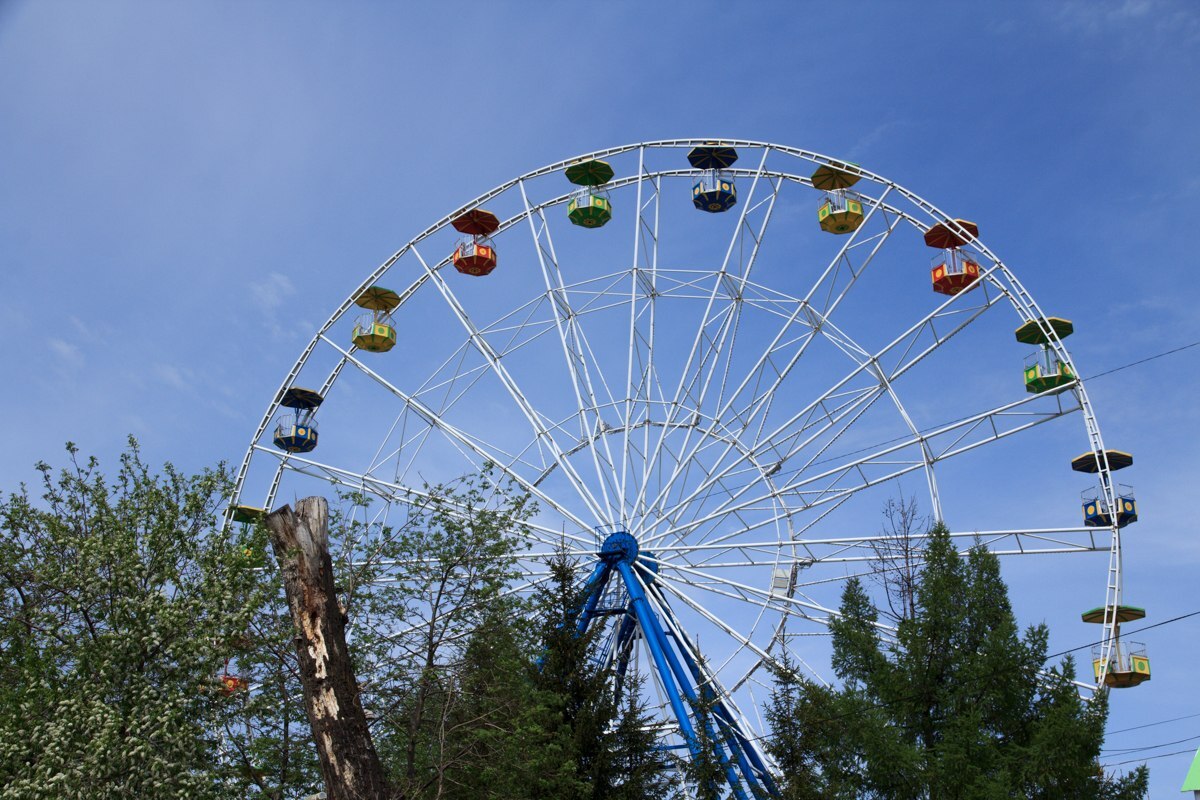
[590,207]
[1128,664]
[714,193]
[953,271]
[248,515]
[840,212]
[232,684]
[1037,331]
[296,430]
[476,255]
[375,332]
[475,258]
[1045,371]
[1120,615]
[951,234]
[1096,513]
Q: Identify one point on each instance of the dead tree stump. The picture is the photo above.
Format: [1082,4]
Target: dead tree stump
[349,763]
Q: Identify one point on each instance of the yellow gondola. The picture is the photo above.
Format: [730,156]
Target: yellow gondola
[375,332]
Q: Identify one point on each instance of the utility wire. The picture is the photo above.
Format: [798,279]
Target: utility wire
[1143,760]
[1139,630]
[1124,751]
[1152,724]
[1141,361]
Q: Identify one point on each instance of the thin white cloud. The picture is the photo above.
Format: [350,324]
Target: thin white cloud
[1179,21]
[66,352]
[272,291]
[1094,16]
[868,140]
[175,377]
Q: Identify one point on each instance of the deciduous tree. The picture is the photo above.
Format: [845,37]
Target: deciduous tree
[119,600]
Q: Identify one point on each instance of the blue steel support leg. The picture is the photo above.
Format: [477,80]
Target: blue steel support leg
[739,743]
[733,735]
[622,650]
[663,652]
[595,587]
[654,639]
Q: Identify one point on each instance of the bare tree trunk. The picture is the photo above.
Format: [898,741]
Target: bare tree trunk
[349,763]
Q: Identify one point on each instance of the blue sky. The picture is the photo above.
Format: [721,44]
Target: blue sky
[188,189]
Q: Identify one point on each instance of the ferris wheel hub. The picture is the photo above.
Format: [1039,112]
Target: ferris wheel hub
[619,547]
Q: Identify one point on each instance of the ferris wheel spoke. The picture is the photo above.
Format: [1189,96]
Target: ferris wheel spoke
[675,587]
[649,390]
[783,437]
[716,361]
[642,286]
[945,442]
[862,358]
[818,426]
[713,314]
[871,547]
[846,268]
[502,460]
[684,574]
[522,403]
[796,542]
[576,352]
[433,418]
[394,491]
[838,277]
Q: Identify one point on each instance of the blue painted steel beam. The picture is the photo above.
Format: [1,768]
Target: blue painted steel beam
[747,759]
[662,651]
[623,651]
[744,747]
[654,639]
[595,587]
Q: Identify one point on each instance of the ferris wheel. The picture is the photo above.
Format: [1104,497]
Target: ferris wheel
[710,362]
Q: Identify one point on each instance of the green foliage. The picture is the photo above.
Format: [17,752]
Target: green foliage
[609,741]
[119,604]
[123,603]
[954,708]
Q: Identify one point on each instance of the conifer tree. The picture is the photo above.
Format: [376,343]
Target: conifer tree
[955,707]
[613,746]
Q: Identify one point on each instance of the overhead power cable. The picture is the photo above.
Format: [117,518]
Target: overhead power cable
[1148,758]
[1139,630]
[1124,751]
[1152,724]
[988,676]
[1140,361]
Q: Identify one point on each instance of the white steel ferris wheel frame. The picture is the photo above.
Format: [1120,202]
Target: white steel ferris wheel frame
[768,455]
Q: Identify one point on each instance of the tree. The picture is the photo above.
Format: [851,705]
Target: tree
[955,707]
[610,743]
[898,556]
[349,763]
[120,601]
[145,650]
